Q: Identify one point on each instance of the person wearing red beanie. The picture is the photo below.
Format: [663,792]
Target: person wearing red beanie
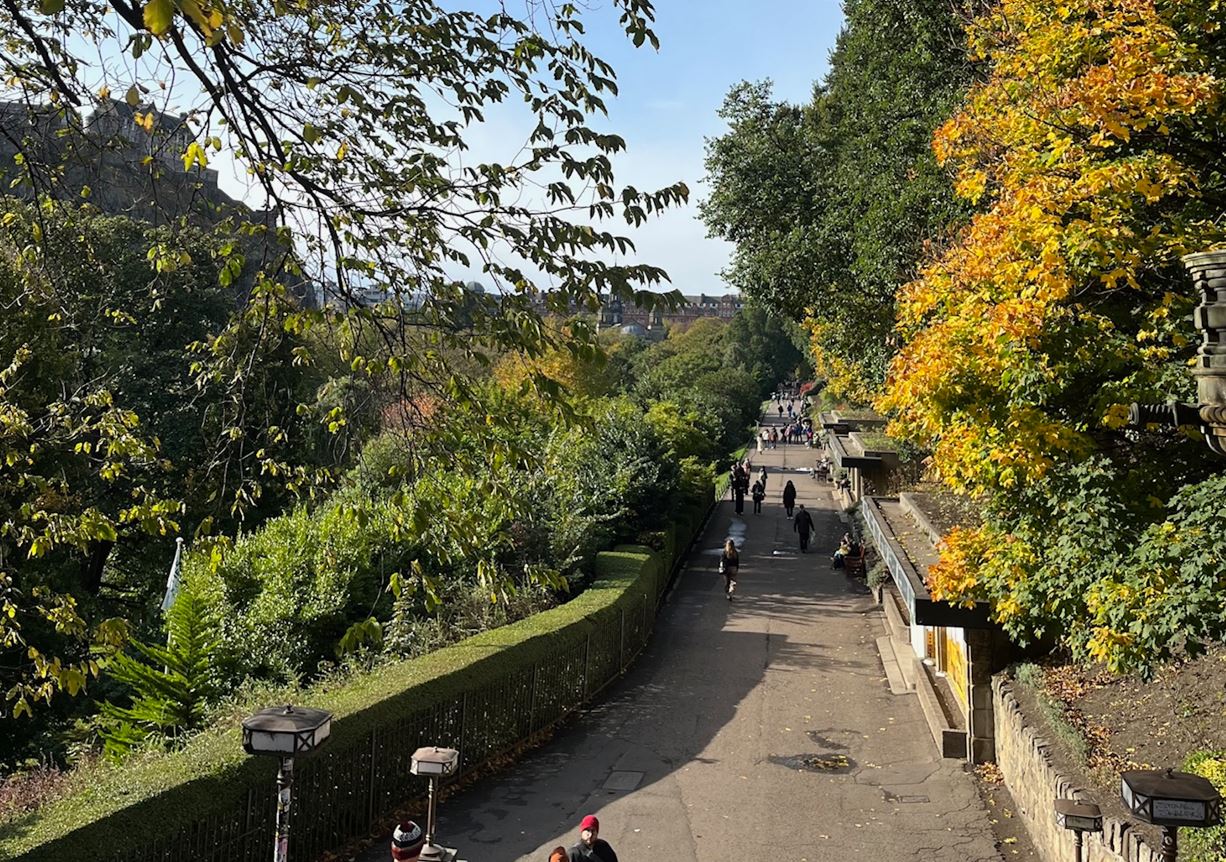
[407,842]
[591,846]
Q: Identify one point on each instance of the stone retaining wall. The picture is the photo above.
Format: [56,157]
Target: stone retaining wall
[1023,755]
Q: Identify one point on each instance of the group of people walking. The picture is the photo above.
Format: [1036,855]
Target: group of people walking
[742,483]
[793,432]
[738,483]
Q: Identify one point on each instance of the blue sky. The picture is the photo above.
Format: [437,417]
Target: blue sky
[667,106]
[668,102]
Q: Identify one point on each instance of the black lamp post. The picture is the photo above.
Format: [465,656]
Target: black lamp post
[284,732]
[1208,272]
[434,763]
[1171,799]
[1078,818]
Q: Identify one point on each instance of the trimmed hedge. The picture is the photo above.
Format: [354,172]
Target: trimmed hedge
[210,801]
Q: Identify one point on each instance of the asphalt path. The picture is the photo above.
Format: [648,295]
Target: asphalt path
[755,729]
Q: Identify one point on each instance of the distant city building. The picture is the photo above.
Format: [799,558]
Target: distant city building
[614,312]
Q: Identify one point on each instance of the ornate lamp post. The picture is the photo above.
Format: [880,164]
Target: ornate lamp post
[1079,818]
[284,732]
[1208,272]
[1171,799]
[434,763]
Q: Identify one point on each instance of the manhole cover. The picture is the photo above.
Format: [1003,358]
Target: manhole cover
[623,780]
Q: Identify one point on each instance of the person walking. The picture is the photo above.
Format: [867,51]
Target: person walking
[789,497]
[803,525]
[729,567]
[780,406]
[737,481]
[759,494]
[762,477]
[591,846]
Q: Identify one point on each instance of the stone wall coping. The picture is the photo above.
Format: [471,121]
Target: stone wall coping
[1119,840]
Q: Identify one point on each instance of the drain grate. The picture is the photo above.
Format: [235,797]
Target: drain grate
[623,780]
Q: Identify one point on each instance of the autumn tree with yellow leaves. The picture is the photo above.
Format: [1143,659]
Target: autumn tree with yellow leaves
[1092,148]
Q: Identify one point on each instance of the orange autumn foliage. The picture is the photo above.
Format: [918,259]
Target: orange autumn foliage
[1024,340]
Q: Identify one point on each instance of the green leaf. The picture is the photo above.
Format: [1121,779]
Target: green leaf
[159,16]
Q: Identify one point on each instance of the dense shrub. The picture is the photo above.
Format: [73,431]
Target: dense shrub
[283,596]
[1206,845]
[122,808]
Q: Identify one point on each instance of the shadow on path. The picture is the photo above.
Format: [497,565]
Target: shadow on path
[755,728]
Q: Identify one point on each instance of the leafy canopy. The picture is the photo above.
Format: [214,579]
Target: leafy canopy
[1092,148]
[831,204]
[351,120]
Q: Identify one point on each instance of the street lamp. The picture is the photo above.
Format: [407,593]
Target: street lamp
[1208,272]
[434,763]
[284,732]
[1171,799]
[1078,818]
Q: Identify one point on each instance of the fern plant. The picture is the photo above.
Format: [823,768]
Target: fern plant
[170,687]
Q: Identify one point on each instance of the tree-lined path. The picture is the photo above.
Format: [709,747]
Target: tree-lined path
[699,754]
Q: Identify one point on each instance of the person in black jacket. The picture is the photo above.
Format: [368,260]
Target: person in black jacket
[803,524]
[759,494]
[789,497]
[591,846]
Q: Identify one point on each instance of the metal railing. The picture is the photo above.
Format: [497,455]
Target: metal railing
[343,792]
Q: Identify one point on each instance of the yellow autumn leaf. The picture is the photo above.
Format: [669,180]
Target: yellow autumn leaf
[159,16]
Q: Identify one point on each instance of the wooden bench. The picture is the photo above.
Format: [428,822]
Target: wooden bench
[855,564]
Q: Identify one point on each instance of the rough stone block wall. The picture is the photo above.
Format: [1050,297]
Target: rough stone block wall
[1023,755]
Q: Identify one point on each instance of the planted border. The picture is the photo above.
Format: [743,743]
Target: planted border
[482,696]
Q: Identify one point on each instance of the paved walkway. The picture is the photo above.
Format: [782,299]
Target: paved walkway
[757,729]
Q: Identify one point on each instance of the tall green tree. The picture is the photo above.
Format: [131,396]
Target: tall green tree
[108,444]
[349,117]
[832,204]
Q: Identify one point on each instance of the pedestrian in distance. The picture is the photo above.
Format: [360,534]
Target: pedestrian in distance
[762,477]
[780,408]
[803,525]
[591,846]
[729,567]
[740,486]
[789,497]
[759,494]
